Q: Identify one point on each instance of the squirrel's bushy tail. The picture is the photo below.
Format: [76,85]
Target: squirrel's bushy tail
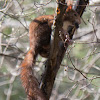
[28,79]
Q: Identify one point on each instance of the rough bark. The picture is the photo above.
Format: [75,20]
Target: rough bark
[58,49]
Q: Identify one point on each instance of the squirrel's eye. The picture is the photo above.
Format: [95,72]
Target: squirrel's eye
[75,14]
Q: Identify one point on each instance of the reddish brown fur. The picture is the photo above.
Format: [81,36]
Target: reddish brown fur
[40,37]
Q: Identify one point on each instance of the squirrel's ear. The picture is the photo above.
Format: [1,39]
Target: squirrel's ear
[69,8]
[69,4]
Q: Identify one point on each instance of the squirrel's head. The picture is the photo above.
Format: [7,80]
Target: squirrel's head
[72,17]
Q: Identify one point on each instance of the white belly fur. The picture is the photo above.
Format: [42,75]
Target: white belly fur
[65,25]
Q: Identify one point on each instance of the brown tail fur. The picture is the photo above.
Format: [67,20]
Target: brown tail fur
[29,82]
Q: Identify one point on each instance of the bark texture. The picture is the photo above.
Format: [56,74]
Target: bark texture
[58,49]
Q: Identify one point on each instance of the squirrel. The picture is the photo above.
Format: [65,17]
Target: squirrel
[40,39]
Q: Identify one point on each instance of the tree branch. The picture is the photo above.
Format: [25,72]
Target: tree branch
[53,65]
[58,50]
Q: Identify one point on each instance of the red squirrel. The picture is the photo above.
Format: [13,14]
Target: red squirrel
[40,39]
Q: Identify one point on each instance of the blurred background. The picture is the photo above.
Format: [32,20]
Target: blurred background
[79,75]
